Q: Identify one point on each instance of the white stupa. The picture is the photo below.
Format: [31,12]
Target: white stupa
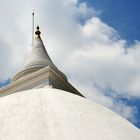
[40,104]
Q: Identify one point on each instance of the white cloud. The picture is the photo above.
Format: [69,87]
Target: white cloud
[88,50]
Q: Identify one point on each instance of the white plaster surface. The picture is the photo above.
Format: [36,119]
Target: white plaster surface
[39,56]
[37,59]
[51,114]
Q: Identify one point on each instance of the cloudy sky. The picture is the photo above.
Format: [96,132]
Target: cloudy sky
[96,43]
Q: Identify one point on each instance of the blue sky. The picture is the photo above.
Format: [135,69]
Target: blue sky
[4,83]
[136,102]
[114,76]
[123,15]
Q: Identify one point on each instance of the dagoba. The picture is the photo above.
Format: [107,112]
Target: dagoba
[40,104]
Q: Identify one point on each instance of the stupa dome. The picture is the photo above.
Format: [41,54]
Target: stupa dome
[52,114]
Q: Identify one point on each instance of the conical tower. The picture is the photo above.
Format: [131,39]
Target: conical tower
[38,72]
[37,60]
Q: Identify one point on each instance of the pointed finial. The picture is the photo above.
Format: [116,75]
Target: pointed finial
[38,32]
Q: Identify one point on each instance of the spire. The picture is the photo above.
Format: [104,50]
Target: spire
[39,72]
[38,58]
